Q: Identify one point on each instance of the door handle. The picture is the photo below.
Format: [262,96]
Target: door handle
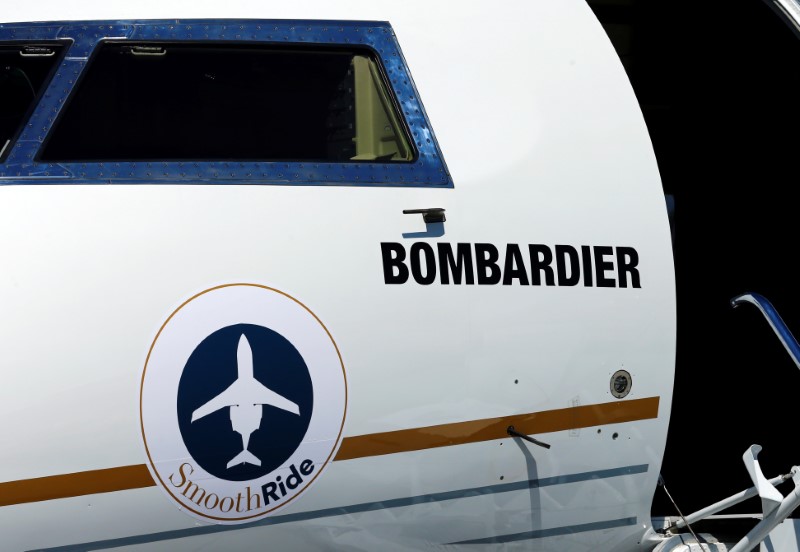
[435,214]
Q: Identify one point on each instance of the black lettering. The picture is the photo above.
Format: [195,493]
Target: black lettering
[561,265]
[294,478]
[514,266]
[306,467]
[393,256]
[280,486]
[239,502]
[601,265]
[627,260]
[486,257]
[567,254]
[586,254]
[541,257]
[417,250]
[460,265]
[269,490]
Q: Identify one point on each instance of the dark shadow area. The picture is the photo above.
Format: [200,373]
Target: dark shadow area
[24,71]
[432,230]
[193,101]
[717,85]
[535,492]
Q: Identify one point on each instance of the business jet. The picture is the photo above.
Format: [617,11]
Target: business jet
[335,275]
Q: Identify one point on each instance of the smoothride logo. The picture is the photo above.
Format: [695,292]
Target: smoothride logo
[243,401]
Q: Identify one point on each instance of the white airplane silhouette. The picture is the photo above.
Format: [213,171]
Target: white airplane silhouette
[245,397]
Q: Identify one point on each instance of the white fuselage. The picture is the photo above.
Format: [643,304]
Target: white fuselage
[546,147]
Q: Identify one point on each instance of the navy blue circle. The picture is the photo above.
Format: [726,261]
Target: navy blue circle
[211,369]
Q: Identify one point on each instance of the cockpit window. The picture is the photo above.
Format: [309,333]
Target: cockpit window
[24,70]
[205,102]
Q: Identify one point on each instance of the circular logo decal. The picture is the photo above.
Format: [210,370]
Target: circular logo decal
[243,401]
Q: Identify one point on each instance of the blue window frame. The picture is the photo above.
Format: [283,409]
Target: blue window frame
[25,70]
[23,164]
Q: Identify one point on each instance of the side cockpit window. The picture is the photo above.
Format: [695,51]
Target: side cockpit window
[201,102]
[24,71]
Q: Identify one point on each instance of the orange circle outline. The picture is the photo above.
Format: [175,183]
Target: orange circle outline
[151,464]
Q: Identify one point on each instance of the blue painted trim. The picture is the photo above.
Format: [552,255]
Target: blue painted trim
[553,532]
[367,507]
[774,320]
[22,167]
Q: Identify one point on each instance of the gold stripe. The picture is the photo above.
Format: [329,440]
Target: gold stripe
[75,484]
[376,444]
[406,440]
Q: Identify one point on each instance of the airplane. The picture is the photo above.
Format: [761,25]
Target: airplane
[245,398]
[435,233]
